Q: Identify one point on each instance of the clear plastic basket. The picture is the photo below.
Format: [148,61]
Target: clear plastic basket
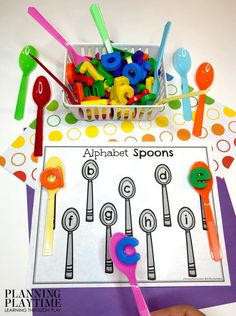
[113,112]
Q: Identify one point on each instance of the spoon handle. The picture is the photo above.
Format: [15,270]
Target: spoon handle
[38,144]
[204,225]
[99,21]
[213,237]
[66,89]
[166,206]
[190,254]
[20,105]
[187,112]
[150,258]
[162,46]
[108,260]
[48,230]
[128,219]
[69,257]
[139,299]
[89,208]
[197,126]
[48,27]
[156,84]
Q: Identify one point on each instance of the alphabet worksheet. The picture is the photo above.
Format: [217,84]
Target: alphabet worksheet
[85,194]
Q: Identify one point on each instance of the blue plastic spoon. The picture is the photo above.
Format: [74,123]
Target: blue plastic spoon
[182,64]
[156,84]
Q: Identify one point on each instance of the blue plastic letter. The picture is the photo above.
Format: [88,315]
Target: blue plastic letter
[120,250]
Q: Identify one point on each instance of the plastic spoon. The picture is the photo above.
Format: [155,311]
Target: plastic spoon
[182,64]
[186,221]
[108,217]
[66,89]
[27,65]
[204,79]
[202,183]
[41,96]
[127,191]
[76,58]
[70,222]
[156,84]
[99,21]
[52,179]
[129,271]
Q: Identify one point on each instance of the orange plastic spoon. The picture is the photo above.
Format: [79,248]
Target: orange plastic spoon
[204,191]
[204,79]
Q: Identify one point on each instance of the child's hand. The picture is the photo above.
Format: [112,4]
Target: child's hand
[178,311]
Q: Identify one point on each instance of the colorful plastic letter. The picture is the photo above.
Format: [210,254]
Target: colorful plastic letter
[122,253]
[118,82]
[87,66]
[125,92]
[109,78]
[98,88]
[149,82]
[138,57]
[133,72]
[79,91]
[148,99]
[198,176]
[111,61]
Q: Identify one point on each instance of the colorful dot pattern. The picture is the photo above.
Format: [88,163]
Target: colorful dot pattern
[62,128]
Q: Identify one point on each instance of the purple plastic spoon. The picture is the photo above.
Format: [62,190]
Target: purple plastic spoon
[76,58]
[129,271]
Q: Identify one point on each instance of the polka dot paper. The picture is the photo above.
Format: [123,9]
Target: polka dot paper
[62,128]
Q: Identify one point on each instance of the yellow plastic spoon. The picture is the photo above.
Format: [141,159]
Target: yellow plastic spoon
[51,179]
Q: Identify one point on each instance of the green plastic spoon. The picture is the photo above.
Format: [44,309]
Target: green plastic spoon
[27,65]
[99,21]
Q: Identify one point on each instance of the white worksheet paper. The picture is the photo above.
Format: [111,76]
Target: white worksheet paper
[169,243]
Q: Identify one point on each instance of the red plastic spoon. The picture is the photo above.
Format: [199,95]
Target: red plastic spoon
[41,96]
[204,79]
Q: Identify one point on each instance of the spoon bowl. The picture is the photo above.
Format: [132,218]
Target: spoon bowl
[186,218]
[147,216]
[127,270]
[26,63]
[90,170]
[41,92]
[108,214]
[70,220]
[182,61]
[182,64]
[204,192]
[127,188]
[163,174]
[204,76]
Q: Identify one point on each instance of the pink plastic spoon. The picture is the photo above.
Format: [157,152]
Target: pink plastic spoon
[129,271]
[76,58]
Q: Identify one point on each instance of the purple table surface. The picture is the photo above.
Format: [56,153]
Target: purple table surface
[120,302]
